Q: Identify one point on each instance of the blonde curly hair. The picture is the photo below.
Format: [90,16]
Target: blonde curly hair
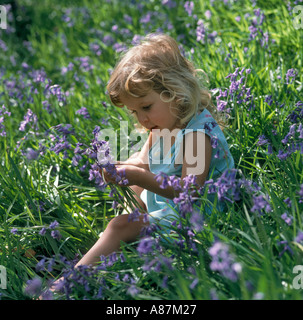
[157,64]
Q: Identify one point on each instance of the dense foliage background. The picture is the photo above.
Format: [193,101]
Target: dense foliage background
[56,57]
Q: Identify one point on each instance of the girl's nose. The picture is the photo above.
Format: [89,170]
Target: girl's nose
[142,118]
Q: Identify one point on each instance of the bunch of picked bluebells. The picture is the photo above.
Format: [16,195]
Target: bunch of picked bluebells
[100,151]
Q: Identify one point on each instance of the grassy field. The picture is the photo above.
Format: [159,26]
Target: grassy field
[55,61]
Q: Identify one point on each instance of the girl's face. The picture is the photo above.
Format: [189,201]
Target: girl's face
[151,111]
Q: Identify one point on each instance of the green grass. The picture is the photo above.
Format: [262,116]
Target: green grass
[51,35]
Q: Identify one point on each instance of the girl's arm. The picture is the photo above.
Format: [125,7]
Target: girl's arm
[146,179]
[201,151]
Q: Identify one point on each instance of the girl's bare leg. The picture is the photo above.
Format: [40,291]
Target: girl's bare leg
[119,229]
[138,190]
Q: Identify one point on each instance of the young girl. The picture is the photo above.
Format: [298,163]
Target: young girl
[159,86]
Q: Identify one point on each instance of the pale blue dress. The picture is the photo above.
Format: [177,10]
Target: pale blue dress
[157,206]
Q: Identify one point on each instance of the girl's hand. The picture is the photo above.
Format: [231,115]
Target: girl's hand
[135,160]
[128,172]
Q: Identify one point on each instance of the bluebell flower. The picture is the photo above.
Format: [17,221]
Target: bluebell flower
[133,290]
[14,230]
[54,224]
[146,245]
[84,112]
[286,218]
[33,287]
[262,140]
[56,234]
[134,216]
[223,261]
[29,117]
[286,247]
[299,237]
[40,265]
[42,231]
[259,203]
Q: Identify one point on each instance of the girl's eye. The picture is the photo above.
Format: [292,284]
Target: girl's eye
[132,111]
[146,107]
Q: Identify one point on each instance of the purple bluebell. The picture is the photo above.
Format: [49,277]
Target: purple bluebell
[56,234]
[146,245]
[3,114]
[84,112]
[29,117]
[169,3]
[76,159]
[66,129]
[259,203]
[33,287]
[162,179]
[291,75]
[286,247]
[288,202]
[200,31]
[41,265]
[56,90]
[299,237]
[134,216]
[197,221]
[223,261]
[32,154]
[189,7]
[54,224]
[14,231]
[286,218]
[262,140]
[42,232]
[283,155]
[133,290]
